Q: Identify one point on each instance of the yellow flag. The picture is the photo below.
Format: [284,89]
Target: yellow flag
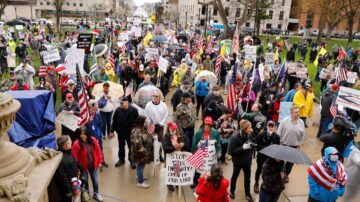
[147,38]
[322,51]
[223,50]
[276,55]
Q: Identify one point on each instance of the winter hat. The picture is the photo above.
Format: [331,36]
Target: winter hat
[335,87]
[244,124]
[42,71]
[172,126]
[208,120]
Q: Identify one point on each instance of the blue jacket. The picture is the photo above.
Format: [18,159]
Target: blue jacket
[289,96]
[202,88]
[94,126]
[317,191]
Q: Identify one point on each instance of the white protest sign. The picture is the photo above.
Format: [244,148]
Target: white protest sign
[68,120]
[291,67]
[178,170]
[250,53]
[163,64]
[151,52]
[325,73]
[19,27]
[352,76]
[74,56]
[50,56]
[269,58]
[261,72]
[301,72]
[284,110]
[136,30]
[11,29]
[124,36]
[348,97]
[210,158]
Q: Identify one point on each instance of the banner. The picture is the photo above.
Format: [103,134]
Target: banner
[74,56]
[163,64]
[178,170]
[136,30]
[269,58]
[68,120]
[285,108]
[50,55]
[19,27]
[348,97]
[210,158]
[352,76]
[250,53]
[84,42]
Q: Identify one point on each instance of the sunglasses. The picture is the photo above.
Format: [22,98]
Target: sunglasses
[155,96]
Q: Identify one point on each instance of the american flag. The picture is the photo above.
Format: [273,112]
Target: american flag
[231,96]
[342,73]
[151,127]
[60,69]
[176,167]
[129,89]
[200,43]
[83,99]
[333,110]
[124,46]
[42,71]
[217,66]
[235,46]
[209,46]
[111,60]
[197,159]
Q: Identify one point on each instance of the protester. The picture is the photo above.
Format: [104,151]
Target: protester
[147,81]
[27,72]
[71,88]
[214,96]
[141,152]
[123,121]
[176,98]
[289,97]
[241,150]
[225,128]
[256,118]
[87,152]
[20,85]
[71,107]
[202,90]
[106,107]
[301,100]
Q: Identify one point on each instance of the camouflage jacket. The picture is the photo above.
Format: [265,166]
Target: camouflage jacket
[184,115]
[141,143]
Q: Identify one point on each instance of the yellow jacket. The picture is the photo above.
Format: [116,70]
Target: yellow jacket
[300,100]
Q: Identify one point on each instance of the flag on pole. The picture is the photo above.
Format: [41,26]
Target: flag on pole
[198,158]
[83,102]
[129,89]
[341,74]
[200,43]
[209,46]
[217,67]
[125,46]
[42,71]
[231,96]
[235,44]
[333,110]
[111,60]
[60,69]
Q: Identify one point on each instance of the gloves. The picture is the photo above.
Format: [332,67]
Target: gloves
[246,146]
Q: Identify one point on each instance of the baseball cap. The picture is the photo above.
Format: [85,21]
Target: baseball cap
[208,120]
[172,126]
[186,82]
[69,95]
[70,81]
[186,95]
[270,123]
[335,87]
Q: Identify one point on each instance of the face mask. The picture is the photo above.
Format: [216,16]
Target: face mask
[216,93]
[334,158]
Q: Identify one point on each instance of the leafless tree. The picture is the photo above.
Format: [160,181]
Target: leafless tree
[351,11]
[58,5]
[3,4]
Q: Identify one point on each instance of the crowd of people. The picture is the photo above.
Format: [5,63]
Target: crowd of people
[239,132]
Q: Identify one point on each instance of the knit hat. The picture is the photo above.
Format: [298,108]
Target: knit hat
[208,120]
[335,87]
[244,124]
[42,71]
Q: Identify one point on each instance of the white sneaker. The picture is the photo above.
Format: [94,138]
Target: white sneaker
[98,197]
[143,185]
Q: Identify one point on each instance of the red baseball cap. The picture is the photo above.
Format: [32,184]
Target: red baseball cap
[208,120]
[69,95]
[172,126]
[335,87]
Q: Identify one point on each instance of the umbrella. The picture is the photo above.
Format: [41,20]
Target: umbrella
[176,47]
[210,76]
[144,95]
[100,49]
[287,154]
[116,91]
[159,38]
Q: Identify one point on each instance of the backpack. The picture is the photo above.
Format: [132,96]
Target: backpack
[102,102]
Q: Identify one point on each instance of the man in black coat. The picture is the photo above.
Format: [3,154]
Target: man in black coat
[327,100]
[214,96]
[176,98]
[71,107]
[123,120]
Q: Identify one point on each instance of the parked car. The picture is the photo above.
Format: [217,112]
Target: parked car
[16,22]
[25,19]
[2,23]
[248,30]
[301,32]
[272,31]
[356,36]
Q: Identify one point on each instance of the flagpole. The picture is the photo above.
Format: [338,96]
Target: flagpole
[83,89]
[253,78]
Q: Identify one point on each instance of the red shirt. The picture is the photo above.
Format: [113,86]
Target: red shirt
[207,192]
[206,134]
[16,87]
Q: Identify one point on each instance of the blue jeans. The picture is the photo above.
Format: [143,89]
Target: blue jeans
[140,173]
[323,126]
[265,196]
[105,122]
[94,174]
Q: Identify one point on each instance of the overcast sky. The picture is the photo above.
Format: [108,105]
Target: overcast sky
[141,2]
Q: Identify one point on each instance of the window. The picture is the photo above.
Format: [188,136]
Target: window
[203,10]
[237,14]
[283,3]
[80,4]
[48,3]
[227,11]
[281,16]
[41,3]
[202,22]
[67,3]
[279,26]
[74,4]
[247,24]
[248,12]
[271,14]
[268,26]
[215,21]
[215,12]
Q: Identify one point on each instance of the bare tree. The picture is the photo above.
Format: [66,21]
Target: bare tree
[3,4]
[249,8]
[351,11]
[330,15]
[58,5]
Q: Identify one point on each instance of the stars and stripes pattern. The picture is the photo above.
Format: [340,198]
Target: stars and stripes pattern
[218,67]
[42,71]
[111,60]
[129,89]
[83,99]
[198,158]
[231,96]
[60,69]
[342,73]
[150,127]
[200,43]
[235,46]
[176,167]
[333,110]
[209,46]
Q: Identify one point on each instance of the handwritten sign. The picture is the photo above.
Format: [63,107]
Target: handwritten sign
[74,56]
[163,64]
[210,157]
[50,56]
[19,27]
[284,110]
[84,42]
[250,53]
[291,67]
[352,76]
[301,72]
[178,170]
[136,30]
[68,120]
[151,52]
[269,58]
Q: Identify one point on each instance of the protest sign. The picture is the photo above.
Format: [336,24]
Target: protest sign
[269,58]
[301,72]
[19,27]
[68,120]
[136,31]
[325,73]
[11,29]
[51,55]
[178,170]
[163,64]
[261,72]
[352,76]
[84,42]
[156,159]
[348,97]
[210,158]
[284,110]
[290,67]
[150,53]
[250,53]
[74,56]
[124,36]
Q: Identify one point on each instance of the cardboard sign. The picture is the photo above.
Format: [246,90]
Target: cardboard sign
[290,67]
[19,27]
[11,29]
[163,64]
[50,56]
[124,36]
[285,110]
[74,56]
[150,53]
[84,42]
[178,170]
[136,30]
[348,97]
[210,157]
[250,53]
[269,58]
[68,120]
[301,72]
[352,76]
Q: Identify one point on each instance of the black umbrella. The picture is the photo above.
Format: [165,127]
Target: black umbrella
[287,154]
[182,37]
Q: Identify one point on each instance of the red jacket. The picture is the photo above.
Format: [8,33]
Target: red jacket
[80,154]
[275,109]
[207,192]
[16,87]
